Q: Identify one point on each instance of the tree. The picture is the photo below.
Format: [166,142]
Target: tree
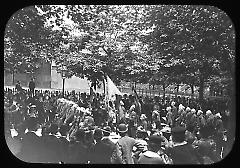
[198,38]
[106,37]
[27,41]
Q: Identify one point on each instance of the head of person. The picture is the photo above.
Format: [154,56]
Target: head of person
[122,129]
[193,111]
[178,134]
[98,134]
[208,113]
[199,113]
[155,142]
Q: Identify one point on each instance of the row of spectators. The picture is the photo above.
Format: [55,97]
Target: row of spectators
[202,127]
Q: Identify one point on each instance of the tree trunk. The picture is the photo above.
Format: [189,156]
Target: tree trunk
[210,91]
[192,89]
[201,88]
[164,89]
[13,77]
[104,87]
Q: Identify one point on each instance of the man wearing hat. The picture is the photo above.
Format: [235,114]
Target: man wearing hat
[101,152]
[181,152]
[106,139]
[151,156]
[122,153]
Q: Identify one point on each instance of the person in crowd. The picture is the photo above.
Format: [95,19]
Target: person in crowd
[156,118]
[180,151]
[206,146]
[31,150]
[122,153]
[219,134]
[14,144]
[143,121]
[77,151]
[64,143]
[169,117]
[18,87]
[132,124]
[106,139]
[174,111]
[31,86]
[100,153]
[52,145]
[154,154]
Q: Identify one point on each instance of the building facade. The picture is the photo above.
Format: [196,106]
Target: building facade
[47,78]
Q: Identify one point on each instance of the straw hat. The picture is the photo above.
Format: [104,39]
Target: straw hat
[122,128]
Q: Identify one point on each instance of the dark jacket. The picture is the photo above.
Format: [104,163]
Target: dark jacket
[52,149]
[183,153]
[78,153]
[101,153]
[31,85]
[31,148]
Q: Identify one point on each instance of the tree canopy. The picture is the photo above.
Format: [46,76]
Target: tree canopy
[142,43]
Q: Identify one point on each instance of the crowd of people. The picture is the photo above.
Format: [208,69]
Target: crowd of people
[158,130]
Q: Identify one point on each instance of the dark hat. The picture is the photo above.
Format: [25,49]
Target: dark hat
[178,130]
[155,139]
[98,133]
[122,128]
[178,134]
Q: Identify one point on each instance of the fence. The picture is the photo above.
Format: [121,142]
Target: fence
[152,93]
[124,90]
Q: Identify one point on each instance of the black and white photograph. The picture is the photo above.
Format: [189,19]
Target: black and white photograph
[119,84]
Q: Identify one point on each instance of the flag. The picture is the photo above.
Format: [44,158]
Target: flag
[113,94]
[112,90]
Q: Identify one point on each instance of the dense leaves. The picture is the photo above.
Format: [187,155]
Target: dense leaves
[195,41]
[160,44]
